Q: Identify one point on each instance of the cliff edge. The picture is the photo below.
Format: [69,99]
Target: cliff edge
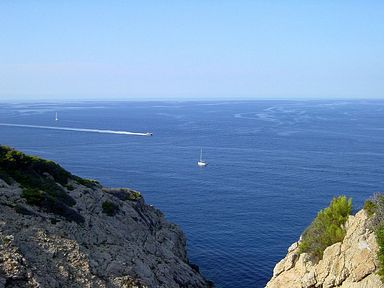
[351,263]
[59,230]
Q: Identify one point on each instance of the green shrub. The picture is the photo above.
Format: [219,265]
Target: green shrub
[327,228]
[380,254]
[39,179]
[25,168]
[124,194]
[33,196]
[369,207]
[4,175]
[30,170]
[70,187]
[133,195]
[376,211]
[109,208]
[90,183]
[34,174]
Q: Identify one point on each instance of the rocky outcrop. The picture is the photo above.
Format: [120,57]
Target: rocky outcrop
[351,263]
[134,247]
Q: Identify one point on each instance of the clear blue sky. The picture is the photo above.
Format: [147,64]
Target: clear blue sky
[192,49]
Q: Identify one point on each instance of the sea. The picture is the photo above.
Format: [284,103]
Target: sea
[272,165]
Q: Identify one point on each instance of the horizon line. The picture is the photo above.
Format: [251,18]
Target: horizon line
[192,99]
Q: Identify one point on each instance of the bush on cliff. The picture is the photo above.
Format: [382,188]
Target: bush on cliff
[41,181]
[327,228]
[380,254]
[369,207]
[38,177]
[27,170]
[133,195]
[110,208]
[375,210]
[33,196]
[35,172]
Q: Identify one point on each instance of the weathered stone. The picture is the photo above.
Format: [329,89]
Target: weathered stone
[293,247]
[290,261]
[325,269]
[303,264]
[363,265]
[279,268]
[308,280]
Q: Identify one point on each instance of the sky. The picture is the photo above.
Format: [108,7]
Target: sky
[191,49]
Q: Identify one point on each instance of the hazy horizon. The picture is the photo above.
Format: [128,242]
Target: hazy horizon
[36,99]
[200,50]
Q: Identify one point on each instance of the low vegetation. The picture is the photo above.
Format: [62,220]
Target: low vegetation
[42,182]
[369,207]
[133,195]
[375,210]
[123,194]
[110,208]
[33,196]
[39,178]
[32,171]
[327,228]
[380,254]
[90,183]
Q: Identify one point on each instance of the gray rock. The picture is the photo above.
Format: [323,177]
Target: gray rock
[136,247]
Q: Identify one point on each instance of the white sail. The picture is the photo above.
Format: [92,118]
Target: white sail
[201,162]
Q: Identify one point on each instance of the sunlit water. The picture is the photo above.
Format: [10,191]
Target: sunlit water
[272,166]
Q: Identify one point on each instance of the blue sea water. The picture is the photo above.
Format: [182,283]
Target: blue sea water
[272,166]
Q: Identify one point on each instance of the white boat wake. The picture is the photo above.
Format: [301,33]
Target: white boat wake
[77,129]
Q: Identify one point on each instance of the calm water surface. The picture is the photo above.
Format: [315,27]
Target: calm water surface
[272,166]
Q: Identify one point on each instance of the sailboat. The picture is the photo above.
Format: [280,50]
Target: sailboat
[56,118]
[201,162]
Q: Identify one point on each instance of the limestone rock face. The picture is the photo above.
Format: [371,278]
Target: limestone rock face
[136,247]
[348,264]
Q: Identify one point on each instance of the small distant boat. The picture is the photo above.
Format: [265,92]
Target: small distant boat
[201,162]
[149,134]
[56,118]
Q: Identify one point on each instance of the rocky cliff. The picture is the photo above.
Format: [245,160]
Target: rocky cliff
[351,263]
[83,235]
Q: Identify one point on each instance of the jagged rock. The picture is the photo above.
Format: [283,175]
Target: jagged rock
[351,263]
[308,280]
[136,247]
[3,184]
[290,261]
[279,268]
[363,265]
[293,247]
[2,282]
